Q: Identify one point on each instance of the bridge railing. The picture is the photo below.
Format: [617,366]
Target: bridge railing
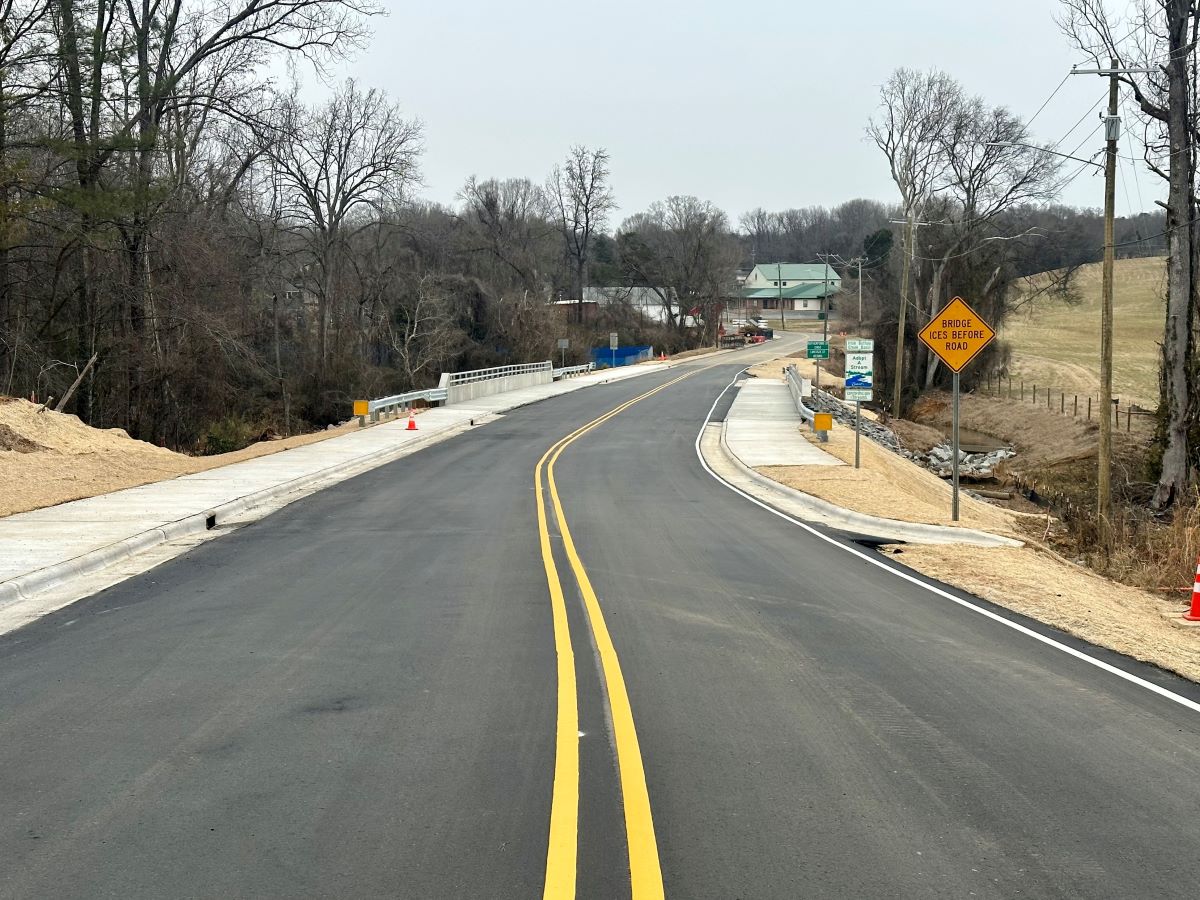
[454,379]
[457,387]
[464,386]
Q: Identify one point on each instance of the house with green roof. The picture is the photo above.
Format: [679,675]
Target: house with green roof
[803,289]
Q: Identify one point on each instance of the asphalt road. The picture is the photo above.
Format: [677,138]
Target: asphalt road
[357,697]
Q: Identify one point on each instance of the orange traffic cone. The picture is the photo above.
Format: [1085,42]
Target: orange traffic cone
[412,422]
[1193,614]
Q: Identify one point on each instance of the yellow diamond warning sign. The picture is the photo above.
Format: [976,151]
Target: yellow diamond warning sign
[956,334]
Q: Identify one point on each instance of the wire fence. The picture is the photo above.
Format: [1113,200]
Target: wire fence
[1085,406]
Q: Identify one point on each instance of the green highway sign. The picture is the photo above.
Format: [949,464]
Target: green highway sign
[818,350]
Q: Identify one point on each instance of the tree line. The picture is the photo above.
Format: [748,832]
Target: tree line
[192,252]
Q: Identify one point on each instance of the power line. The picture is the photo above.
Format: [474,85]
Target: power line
[1136,182]
[1162,233]
[1091,135]
[1046,103]
[1125,190]
[1071,130]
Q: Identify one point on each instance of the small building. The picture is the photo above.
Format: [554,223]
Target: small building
[572,309]
[651,302]
[803,289]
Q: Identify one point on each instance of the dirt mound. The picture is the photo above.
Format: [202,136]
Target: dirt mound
[10,440]
[916,437]
[47,458]
[54,457]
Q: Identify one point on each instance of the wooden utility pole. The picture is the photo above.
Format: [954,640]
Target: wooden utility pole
[860,262]
[898,377]
[1112,132]
[779,285]
[1112,127]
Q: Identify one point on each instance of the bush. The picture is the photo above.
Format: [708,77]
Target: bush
[226,435]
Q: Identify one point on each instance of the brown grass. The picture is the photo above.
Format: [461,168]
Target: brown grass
[1135,622]
[915,436]
[1057,458]
[1057,345]
[889,486]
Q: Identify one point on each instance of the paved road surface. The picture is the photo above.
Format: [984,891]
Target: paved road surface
[357,697]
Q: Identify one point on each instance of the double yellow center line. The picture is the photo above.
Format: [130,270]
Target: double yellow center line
[645,873]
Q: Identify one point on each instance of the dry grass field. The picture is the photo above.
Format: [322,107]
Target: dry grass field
[1058,346]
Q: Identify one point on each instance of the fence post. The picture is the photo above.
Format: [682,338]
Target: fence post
[1035,395]
[1075,412]
[1129,417]
[1022,390]
[1009,387]
[1062,402]
[1089,416]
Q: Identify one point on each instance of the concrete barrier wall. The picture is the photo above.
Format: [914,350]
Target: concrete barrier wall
[462,393]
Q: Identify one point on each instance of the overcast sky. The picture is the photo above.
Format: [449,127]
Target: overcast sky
[750,103]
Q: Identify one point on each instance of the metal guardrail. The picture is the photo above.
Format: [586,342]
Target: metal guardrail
[396,402]
[452,379]
[573,370]
[795,384]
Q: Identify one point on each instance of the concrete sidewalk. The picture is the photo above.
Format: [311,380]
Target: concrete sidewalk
[763,428]
[44,548]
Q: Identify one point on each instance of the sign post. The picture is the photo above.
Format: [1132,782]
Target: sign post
[860,384]
[956,335]
[563,345]
[818,350]
[612,347]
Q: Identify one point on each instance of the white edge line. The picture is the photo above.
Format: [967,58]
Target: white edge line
[996,617]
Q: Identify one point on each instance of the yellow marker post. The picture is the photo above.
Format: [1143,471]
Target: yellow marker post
[361,409]
[822,425]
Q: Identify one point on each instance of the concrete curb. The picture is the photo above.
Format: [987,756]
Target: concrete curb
[820,511]
[23,587]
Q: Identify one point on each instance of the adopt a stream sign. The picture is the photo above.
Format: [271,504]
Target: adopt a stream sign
[860,370]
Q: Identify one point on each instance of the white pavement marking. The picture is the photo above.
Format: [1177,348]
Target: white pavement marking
[966,604]
[762,428]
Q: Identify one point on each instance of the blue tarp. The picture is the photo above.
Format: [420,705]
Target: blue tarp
[622,356]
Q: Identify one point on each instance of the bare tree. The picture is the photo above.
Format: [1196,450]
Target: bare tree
[915,108]
[1163,42]
[582,200]
[512,221]
[684,250]
[424,336]
[353,154]
[987,170]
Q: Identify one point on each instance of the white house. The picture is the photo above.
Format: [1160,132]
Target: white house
[794,287]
